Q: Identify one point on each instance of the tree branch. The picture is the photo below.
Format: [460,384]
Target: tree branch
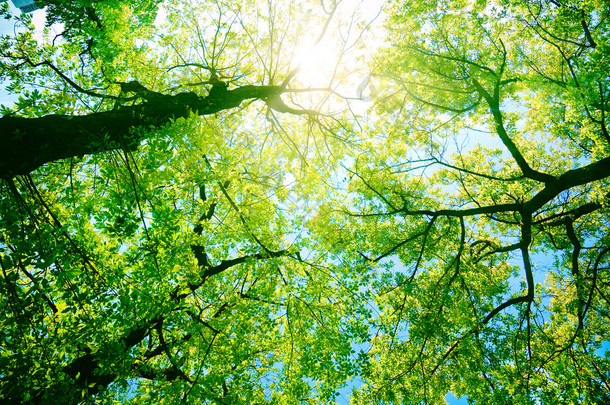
[28,143]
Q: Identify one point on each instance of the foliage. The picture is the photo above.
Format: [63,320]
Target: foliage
[204,222]
[493,206]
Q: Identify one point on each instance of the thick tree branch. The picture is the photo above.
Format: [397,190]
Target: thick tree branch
[85,372]
[28,143]
[576,177]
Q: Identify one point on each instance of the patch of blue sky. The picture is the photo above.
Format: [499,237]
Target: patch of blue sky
[11,28]
[453,400]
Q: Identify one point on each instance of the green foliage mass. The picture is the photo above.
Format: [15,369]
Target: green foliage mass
[427,213]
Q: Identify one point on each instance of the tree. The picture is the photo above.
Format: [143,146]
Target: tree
[187,217]
[148,243]
[483,204]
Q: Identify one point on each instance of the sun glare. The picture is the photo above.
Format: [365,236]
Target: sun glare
[335,61]
[316,63]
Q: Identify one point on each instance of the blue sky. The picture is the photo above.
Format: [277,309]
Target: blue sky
[6,27]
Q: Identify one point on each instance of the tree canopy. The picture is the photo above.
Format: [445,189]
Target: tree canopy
[270,202]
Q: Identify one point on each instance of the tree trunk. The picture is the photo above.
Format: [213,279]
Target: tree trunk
[28,143]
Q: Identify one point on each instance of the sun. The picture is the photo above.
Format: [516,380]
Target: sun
[316,62]
[327,55]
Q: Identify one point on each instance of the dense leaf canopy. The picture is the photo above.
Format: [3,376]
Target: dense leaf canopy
[271,202]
